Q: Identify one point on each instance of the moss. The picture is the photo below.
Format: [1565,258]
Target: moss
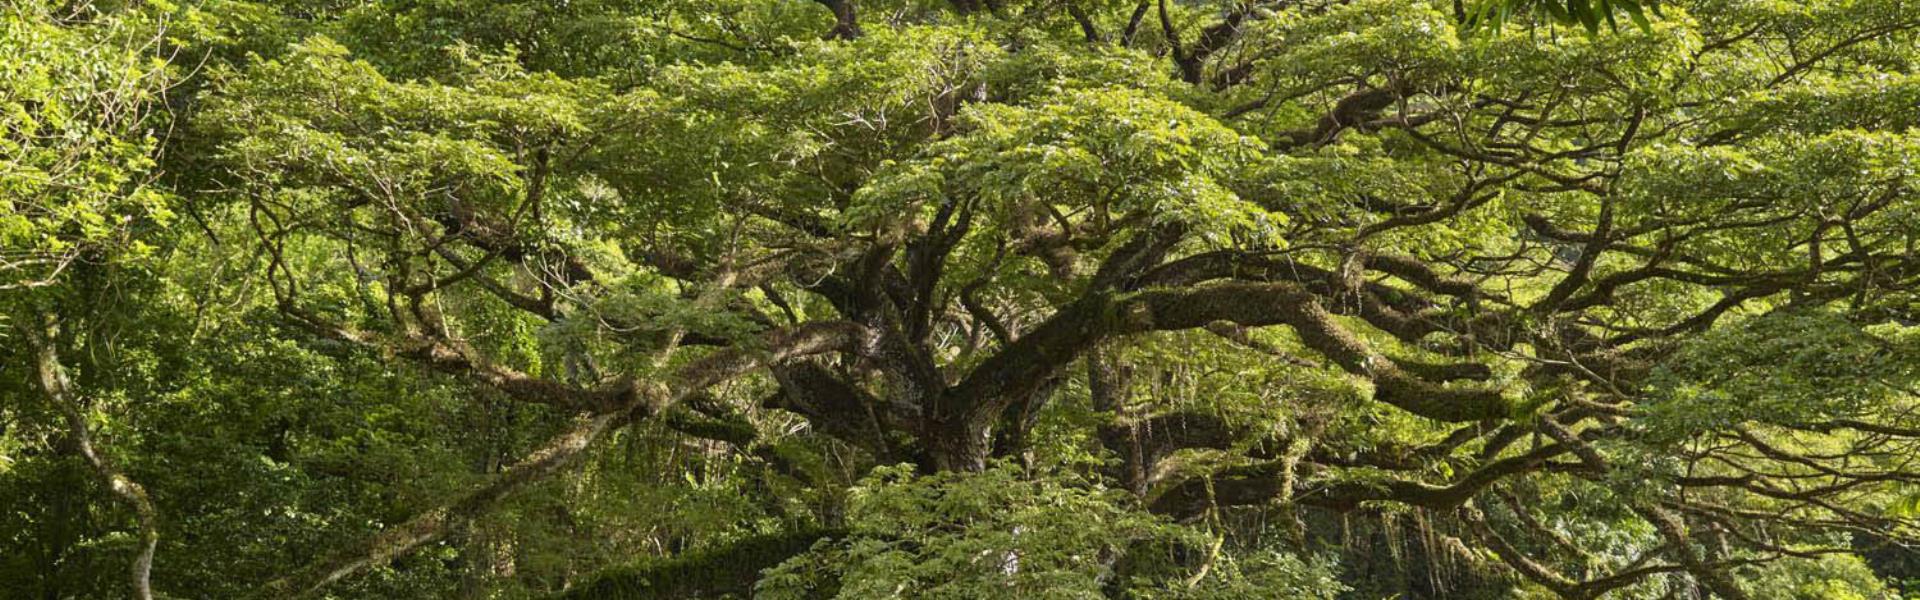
[713,572]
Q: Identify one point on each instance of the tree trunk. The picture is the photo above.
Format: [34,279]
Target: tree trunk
[958,445]
[957,433]
[59,390]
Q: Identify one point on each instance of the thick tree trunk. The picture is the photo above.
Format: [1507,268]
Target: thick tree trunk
[958,445]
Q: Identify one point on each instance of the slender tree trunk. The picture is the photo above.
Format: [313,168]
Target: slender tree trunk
[53,379]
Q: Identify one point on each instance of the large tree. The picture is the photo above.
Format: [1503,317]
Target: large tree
[1015,298]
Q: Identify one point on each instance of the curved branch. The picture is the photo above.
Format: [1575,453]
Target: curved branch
[1288,304]
[59,390]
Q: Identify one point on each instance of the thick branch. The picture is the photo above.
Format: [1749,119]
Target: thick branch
[1289,304]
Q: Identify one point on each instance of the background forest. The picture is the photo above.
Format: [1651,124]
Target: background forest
[783,299]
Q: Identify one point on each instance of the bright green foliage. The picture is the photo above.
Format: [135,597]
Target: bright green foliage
[77,138]
[1119,155]
[1585,13]
[1838,577]
[1786,369]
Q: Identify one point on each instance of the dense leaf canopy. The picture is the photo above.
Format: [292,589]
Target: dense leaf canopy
[959,298]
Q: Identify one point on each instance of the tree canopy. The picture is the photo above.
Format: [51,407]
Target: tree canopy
[1158,299]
